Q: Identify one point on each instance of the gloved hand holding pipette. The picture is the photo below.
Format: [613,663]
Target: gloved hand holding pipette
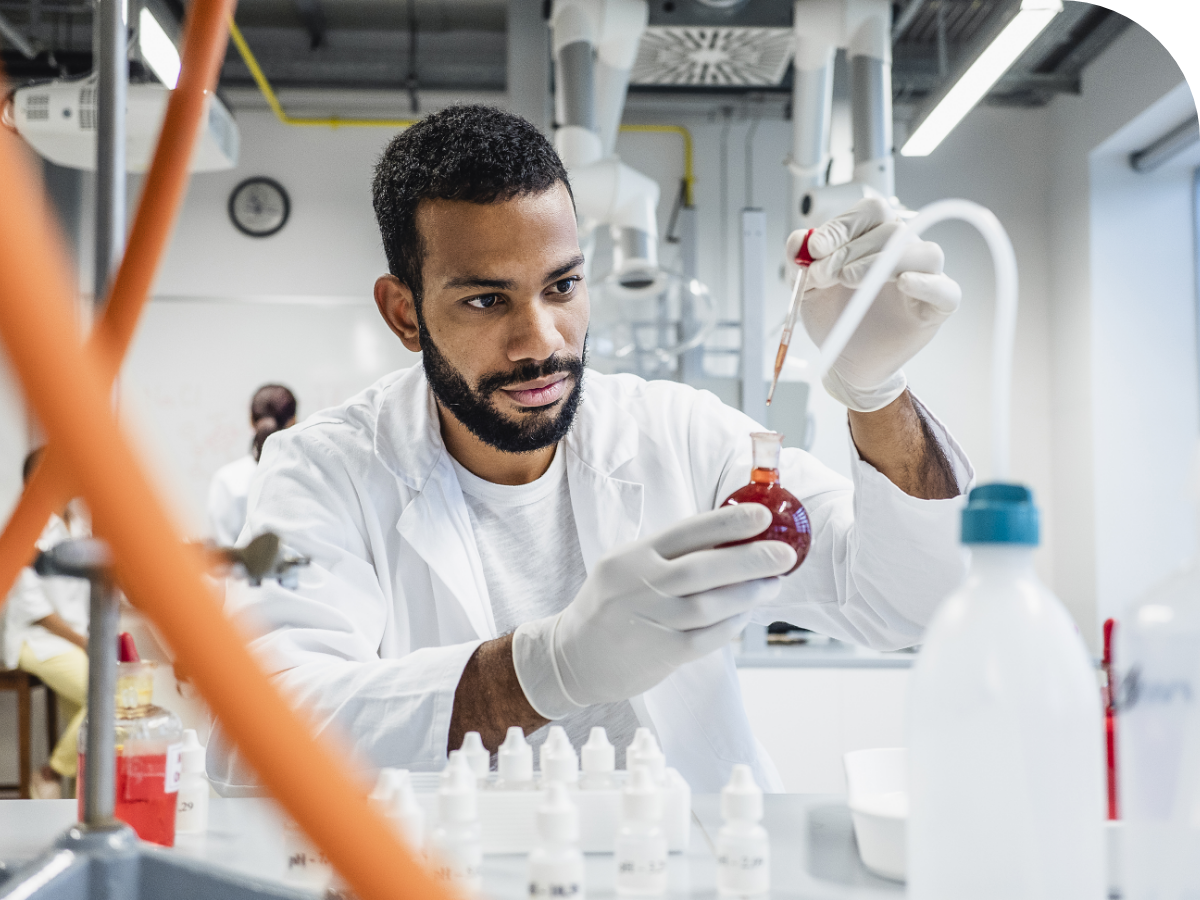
[910,309]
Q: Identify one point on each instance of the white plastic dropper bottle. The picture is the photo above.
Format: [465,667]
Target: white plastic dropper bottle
[641,846]
[743,852]
[191,805]
[559,762]
[599,759]
[1158,736]
[556,864]
[1005,730]
[644,751]
[514,762]
[457,843]
[394,797]
[476,755]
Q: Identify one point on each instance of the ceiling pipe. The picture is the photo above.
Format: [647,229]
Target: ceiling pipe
[14,37]
[906,18]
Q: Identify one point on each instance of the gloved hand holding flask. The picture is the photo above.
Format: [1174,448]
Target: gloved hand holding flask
[648,608]
[913,304]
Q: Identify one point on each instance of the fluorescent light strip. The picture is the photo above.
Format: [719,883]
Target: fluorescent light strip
[973,86]
[157,49]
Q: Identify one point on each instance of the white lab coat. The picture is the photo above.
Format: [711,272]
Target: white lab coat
[372,643]
[33,598]
[227,495]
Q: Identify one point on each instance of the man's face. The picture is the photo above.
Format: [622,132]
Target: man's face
[503,318]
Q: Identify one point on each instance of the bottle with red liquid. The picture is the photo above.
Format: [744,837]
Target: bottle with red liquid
[149,744]
[789,520]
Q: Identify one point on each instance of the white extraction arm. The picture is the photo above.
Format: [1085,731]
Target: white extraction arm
[862,28]
[595,43]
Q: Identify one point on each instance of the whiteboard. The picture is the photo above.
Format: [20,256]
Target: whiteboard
[196,362]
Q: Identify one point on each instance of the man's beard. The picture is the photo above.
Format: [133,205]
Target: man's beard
[474,407]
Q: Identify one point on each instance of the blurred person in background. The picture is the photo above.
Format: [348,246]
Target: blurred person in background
[45,634]
[272,409]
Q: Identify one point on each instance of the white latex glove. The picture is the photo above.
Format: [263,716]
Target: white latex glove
[917,299]
[648,608]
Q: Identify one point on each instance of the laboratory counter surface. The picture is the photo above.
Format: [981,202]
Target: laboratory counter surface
[813,854]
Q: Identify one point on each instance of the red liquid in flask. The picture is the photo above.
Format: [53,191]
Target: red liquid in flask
[789,520]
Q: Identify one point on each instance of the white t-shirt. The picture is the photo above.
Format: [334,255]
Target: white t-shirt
[34,597]
[533,568]
[227,495]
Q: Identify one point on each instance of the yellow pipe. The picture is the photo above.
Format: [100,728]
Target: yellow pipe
[273,101]
[689,174]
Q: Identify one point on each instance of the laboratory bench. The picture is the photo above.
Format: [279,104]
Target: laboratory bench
[813,854]
[828,655]
[808,650]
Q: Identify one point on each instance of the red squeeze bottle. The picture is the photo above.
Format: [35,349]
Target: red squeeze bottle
[149,747]
[1110,719]
[789,520]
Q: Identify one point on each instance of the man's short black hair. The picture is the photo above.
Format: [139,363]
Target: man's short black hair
[475,153]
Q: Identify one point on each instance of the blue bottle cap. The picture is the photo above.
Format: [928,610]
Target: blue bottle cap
[1000,514]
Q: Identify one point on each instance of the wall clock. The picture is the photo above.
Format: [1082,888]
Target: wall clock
[259,207]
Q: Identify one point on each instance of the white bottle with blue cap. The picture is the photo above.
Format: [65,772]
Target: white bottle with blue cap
[1005,729]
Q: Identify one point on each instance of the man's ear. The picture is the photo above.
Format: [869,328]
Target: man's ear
[399,309]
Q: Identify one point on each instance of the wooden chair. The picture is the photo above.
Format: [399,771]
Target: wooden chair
[23,684]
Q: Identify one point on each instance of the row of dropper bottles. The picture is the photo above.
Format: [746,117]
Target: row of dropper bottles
[556,866]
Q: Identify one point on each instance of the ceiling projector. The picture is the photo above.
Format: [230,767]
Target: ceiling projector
[59,119]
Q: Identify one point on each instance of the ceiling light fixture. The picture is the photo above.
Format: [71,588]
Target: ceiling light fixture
[158,50]
[996,59]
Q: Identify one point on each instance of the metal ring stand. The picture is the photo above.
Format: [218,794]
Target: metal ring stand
[101,858]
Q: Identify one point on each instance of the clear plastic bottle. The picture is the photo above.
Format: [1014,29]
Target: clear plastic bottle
[743,851]
[191,803]
[558,758]
[1158,709]
[514,762]
[556,863]
[599,762]
[477,755]
[643,750]
[1005,730]
[641,846]
[149,745]
[456,844]
[395,798]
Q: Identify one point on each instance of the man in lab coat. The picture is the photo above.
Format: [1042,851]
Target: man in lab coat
[501,538]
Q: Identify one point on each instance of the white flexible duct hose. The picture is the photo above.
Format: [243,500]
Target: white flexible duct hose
[1004,261]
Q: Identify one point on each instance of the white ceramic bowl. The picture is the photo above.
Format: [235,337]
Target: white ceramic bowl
[878,800]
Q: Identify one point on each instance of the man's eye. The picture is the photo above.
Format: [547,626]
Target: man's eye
[566,286]
[485,302]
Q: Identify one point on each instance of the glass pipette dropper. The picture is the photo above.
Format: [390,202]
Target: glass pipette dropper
[803,260]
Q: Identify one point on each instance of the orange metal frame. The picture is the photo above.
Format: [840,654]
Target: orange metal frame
[68,385]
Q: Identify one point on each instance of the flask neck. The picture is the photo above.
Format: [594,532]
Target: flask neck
[765,446]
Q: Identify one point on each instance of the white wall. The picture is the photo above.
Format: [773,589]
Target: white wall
[1130,76]
[1144,373]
